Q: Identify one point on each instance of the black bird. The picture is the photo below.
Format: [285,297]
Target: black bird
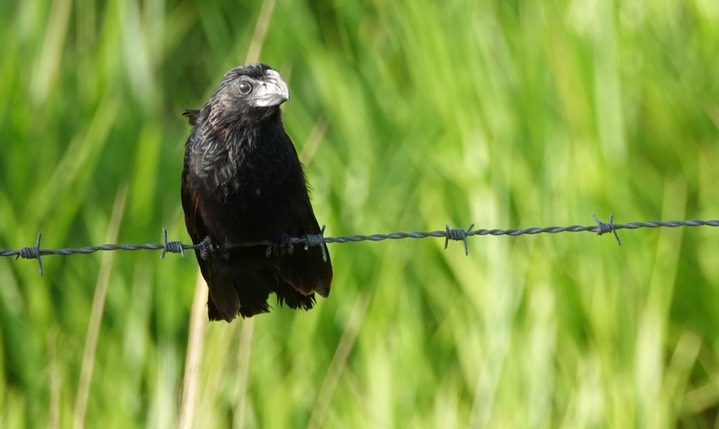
[242,182]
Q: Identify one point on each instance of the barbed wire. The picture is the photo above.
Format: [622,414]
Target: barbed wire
[311,240]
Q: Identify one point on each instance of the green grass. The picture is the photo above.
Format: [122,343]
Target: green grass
[409,115]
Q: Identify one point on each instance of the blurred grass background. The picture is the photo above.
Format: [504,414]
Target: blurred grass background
[409,115]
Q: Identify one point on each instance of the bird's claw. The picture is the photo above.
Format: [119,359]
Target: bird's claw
[207,247]
[210,248]
[281,247]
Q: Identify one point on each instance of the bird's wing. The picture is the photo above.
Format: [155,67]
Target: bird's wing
[308,270]
[190,205]
[220,282]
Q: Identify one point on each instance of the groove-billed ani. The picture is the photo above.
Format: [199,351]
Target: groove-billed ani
[243,182]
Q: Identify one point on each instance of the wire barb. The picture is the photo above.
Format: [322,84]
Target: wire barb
[312,240]
[171,246]
[603,228]
[32,253]
[457,234]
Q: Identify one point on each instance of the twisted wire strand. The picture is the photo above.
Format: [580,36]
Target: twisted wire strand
[311,240]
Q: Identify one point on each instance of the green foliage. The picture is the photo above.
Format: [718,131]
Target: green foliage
[408,115]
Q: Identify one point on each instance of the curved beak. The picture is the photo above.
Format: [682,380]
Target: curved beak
[272,91]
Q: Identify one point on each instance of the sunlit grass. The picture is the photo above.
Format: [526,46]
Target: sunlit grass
[409,115]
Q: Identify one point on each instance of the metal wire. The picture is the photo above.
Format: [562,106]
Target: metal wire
[311,240]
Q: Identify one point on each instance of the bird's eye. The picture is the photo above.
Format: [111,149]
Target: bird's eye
[245,87]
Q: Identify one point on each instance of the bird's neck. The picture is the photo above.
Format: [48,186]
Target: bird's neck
[240,150]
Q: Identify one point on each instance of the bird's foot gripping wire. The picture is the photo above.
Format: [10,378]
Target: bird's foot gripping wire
[283,246]
[207,247]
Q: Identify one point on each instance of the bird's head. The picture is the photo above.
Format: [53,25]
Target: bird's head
[248,93]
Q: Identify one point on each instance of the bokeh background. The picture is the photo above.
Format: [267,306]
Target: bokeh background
[408,115]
